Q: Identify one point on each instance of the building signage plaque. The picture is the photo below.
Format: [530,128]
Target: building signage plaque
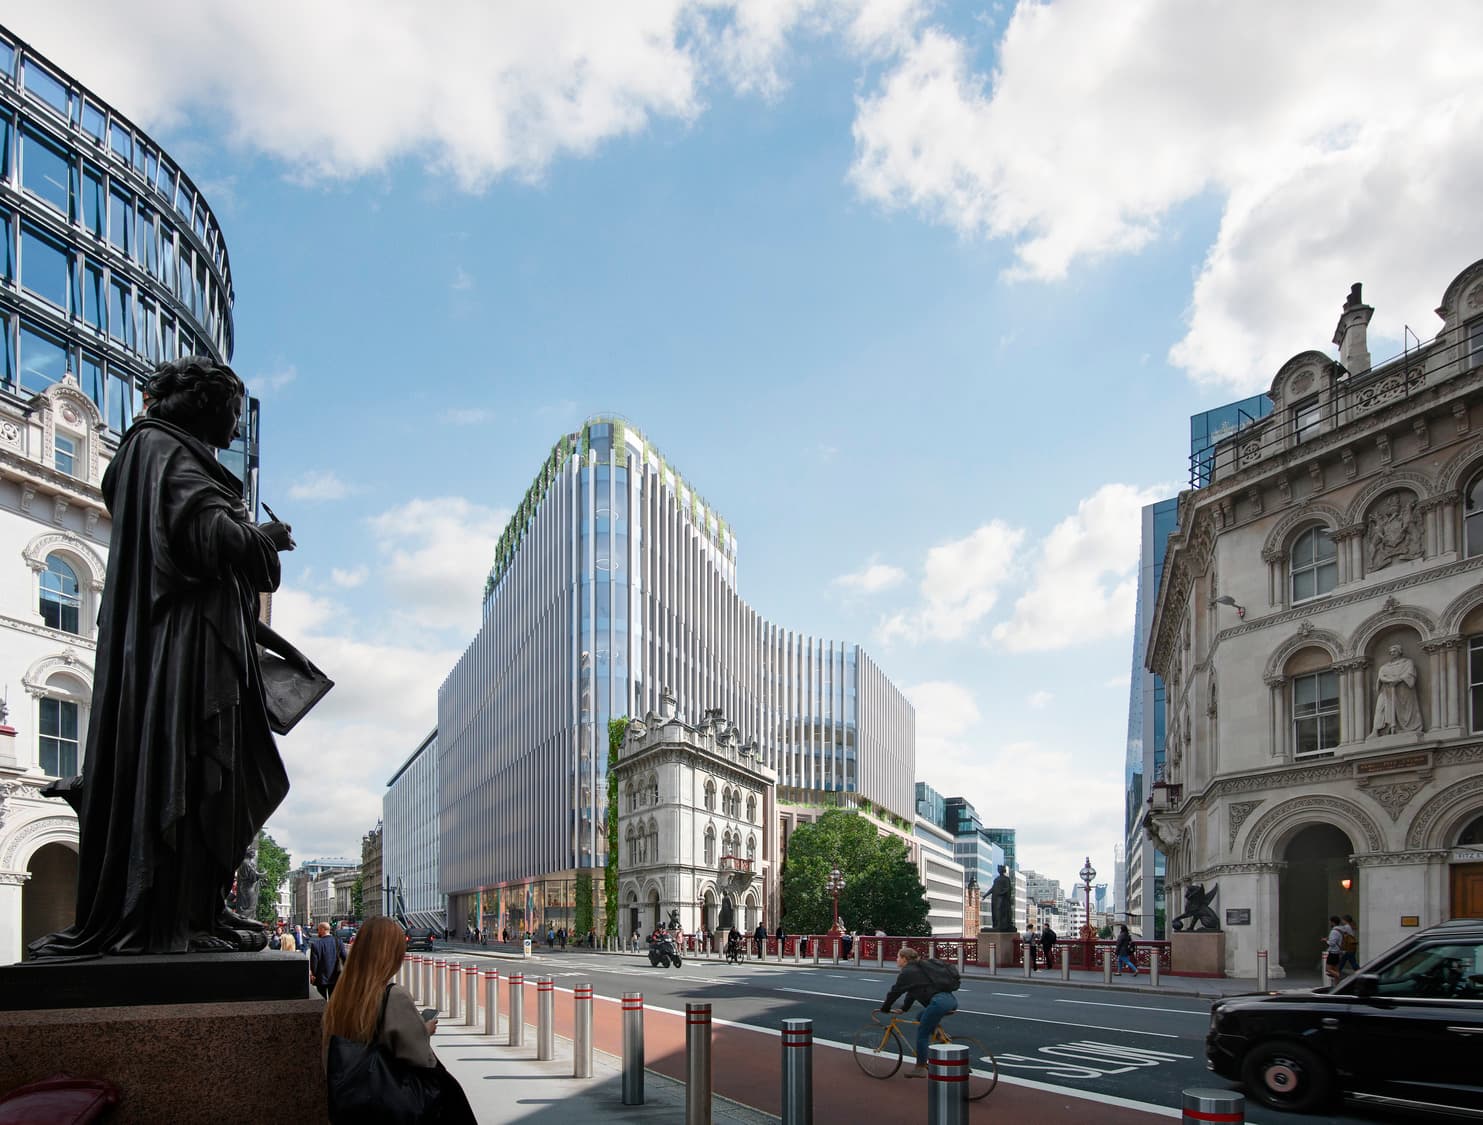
[1236,917]
[1410,919]
[1390,765]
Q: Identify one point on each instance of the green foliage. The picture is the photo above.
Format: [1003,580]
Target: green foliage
[882,890]
[616,730]
[357,896]
[1105,932]
[272,864]
[584,903]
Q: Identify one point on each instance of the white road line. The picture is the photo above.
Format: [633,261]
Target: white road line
[1068,1023]
[1015,995]
[1138,1008]
[832,995]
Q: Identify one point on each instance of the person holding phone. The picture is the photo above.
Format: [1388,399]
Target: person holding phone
[367,999]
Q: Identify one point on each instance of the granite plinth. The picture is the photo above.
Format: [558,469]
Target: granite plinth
[1002,944]
[1199,953]
[178,1062]
[186,978]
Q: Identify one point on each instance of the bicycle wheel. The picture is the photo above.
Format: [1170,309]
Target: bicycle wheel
[983,1071]
[878,1049]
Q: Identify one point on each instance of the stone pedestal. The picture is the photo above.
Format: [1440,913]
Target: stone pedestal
[193,978]
[178,1062]
[1001,943]
[1200,954]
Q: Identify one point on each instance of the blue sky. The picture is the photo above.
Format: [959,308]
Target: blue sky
[920,296]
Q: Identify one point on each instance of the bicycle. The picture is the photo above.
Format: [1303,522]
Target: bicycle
[879,1048]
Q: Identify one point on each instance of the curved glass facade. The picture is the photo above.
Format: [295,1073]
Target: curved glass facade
[110,259]
[614,580]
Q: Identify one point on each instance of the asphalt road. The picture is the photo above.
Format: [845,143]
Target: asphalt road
[1134,1047]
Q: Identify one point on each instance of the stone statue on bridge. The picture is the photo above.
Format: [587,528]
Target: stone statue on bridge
[1001,902]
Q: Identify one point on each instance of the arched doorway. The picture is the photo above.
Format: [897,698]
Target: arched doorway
[1311,889]
[707,912]
[49,896]
[653,910]
[633,912]
[1467,878]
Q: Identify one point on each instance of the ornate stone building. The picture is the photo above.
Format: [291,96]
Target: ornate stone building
[1319,630]
[694,809]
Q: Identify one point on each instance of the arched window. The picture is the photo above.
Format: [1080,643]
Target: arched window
[1315,712]
[1313,564]
[1472,518]
[61,601]
[752,809]
[653,789]
[710,796]
[710,847]
[58,744]
[653,841]
[751,849]
[630,797]
[633,853]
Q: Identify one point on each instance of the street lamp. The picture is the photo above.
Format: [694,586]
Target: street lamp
[834,885]
[1088,873]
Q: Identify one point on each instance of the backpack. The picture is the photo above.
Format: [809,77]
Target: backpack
[1348,942]
[943,977]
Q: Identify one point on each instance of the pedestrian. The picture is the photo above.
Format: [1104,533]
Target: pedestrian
[1123,951]
[1349,945]
[760,938]
[369,1006]
[1333,948]
[633,942]
[1027,944]
[846,940]
[781,936]
[561,937]
[326,956]
[1047,943]
[591,938]
[287,942]
[275,939]
[931,983]
[299,939]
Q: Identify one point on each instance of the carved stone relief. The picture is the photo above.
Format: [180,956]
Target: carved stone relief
[1236,817]
[1394,798]
[1393,530]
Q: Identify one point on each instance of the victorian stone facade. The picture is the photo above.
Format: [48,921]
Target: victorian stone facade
[1319,631]
[55,532]
[694,809]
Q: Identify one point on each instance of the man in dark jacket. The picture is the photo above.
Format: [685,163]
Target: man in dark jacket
[326,956]
[1047,943]
[930,984]
[760,937]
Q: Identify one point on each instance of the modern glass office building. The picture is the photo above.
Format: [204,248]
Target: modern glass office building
[409,836]
[110,259]
[1141,892]
[613,580]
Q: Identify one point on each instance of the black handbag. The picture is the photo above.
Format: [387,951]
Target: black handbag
[368,1085]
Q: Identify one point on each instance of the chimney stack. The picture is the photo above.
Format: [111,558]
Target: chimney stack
[1350,335]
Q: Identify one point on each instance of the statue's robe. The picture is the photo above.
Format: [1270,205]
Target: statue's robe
[180,768]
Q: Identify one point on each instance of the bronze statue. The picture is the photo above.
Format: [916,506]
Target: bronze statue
[1001,902]
[180,770]
[1197,909]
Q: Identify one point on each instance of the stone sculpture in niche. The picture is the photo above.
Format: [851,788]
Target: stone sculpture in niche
[1396,708]
[1393,530]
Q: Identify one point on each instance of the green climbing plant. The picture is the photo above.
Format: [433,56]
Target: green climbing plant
[616,729]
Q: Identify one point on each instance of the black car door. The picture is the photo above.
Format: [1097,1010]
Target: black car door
[1421,1036]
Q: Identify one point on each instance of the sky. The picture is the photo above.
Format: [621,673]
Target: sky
[920,296]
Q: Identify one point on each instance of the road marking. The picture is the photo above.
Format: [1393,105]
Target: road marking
[1016,995]
[811,992]
[1062,1023]
[1088,1058]
[1138,1008]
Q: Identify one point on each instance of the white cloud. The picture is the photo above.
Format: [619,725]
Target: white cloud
[1123,681]
[1085,575]
[466,416]
[323,485]
[1100,119]
[462,281]
[342,88]
[1040,699]
[871,579]
[270,382]
[959,754]
[348,579]
[437,554]
[960,585]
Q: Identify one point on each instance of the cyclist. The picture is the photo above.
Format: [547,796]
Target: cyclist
[931,983]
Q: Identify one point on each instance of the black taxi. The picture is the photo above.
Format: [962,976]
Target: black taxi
[1405,1032]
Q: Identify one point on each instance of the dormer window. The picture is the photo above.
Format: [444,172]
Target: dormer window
[1305,419]
[1474,357]
[64,455]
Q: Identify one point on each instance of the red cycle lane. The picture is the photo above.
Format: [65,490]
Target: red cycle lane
[746,1066]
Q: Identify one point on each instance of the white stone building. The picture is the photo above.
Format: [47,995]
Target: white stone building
[54,531]
[942,876]
[694,806]
[1319,631]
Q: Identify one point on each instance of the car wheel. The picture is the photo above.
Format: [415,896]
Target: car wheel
[1287,1076]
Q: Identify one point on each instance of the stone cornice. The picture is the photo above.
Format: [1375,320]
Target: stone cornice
[50,481]
[1397,859]
[61,636]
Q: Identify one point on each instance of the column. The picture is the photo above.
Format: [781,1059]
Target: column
[11,883]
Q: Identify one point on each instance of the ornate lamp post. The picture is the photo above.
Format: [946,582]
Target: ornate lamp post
[1088,873]
[834,885]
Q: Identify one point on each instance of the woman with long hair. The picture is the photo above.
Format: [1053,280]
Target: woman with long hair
[354,1010]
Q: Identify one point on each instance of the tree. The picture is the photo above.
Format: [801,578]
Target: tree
[272,865]
[616,729]
[882,889]
[358,896]
[584,904]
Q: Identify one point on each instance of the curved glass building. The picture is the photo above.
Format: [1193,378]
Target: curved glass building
[613,580]
[111,259]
